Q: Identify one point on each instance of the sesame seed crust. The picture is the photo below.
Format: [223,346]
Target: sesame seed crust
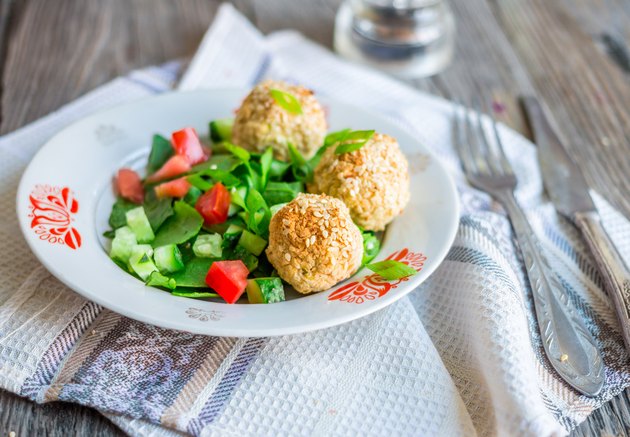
[372,181]
[260,122]
[313,243]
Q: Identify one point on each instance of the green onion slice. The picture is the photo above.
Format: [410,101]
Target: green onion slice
[287,101]
[353,141]
[391,269]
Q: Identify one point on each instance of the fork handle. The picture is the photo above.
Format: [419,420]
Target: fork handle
[571,349]
[614,271]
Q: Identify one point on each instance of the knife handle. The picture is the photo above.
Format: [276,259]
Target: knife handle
[614,271]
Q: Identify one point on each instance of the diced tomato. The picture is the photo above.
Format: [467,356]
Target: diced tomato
[129,185]
[175,166]
[175,188]
[186,143]
[228,279]
[214,204]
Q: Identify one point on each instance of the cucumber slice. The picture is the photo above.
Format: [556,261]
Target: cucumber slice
[253,243]
[124,240]
[140,261]
[221,130]
[168,258]
[156,279]
[139,223]
[237,196]
[234,208]
[275,208]
[265,290]
[208,246]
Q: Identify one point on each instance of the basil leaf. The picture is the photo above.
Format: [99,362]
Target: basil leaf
[237,151]
[287,101]
[181,227]
[354,141]
[117,218]
[161,150]
[265,167]
[157,211]
[371,247]
[391,269]
[301,169]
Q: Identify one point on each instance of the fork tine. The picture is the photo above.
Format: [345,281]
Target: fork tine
[492,152]
[459,138]
[507,167]
[476,148]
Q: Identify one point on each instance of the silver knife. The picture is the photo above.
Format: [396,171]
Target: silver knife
[569,193]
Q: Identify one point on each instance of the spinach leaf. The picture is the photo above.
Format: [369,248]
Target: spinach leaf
[217,162]
[258,213]
[282,192]
[193,294]
[301,169]
[117,217]
[161,150]
[194,272]
[181,227]
[278,169]
[197,181]
[265,167]
[159,280]
[157,211]
[226,178]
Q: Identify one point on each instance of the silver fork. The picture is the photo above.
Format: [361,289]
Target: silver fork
[569,346]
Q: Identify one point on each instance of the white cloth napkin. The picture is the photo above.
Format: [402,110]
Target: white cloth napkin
[460,356]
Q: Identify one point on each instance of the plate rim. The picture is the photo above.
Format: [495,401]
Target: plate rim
[216,329]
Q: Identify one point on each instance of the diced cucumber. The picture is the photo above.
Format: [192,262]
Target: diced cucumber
[231,236]
[124,240]
[253,243]
[156,279]
[265,290]
[139,223]
[275,208]
[140,261]
[168,258]
[208,246]
[249,259]
[221,130]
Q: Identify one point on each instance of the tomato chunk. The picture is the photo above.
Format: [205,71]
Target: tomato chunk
[228,279]
[213,205]
[186,143]
[175,166]
[129,185]
[175,188]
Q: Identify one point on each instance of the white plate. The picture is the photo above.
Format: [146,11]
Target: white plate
[65,197]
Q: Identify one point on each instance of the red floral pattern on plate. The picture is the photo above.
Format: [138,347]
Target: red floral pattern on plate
[52,209]
[374,286]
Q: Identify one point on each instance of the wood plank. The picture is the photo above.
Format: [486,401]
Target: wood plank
[66,56]
[586,92]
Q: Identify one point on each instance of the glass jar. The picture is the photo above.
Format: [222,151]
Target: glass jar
[407,38]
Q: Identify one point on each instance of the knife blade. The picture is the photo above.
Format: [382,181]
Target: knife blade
[569,193]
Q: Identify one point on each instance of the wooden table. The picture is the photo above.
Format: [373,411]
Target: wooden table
[569,52]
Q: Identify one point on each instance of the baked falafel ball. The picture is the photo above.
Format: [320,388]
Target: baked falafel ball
[313,243]
[261,122]
[372,181]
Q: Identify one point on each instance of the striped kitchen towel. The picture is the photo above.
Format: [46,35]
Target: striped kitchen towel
[460,356]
